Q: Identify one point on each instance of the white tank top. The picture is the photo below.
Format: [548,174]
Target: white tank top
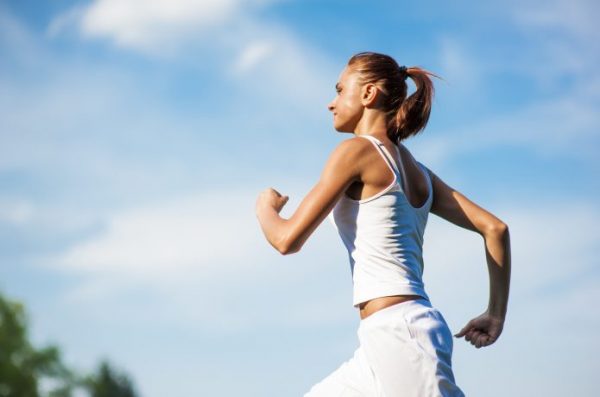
[384,237]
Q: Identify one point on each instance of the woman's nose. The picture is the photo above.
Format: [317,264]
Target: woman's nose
[330,106]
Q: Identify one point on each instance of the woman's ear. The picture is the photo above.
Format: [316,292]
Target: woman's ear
[371,95]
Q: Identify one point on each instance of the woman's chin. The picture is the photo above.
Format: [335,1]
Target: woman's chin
[340,128]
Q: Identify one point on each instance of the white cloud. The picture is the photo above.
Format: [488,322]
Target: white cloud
[194,237]
[253,54]
[146,24]
[263,56]
[156,27]
[286,72]
[206,247]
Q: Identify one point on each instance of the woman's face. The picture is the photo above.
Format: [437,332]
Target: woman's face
[346,107]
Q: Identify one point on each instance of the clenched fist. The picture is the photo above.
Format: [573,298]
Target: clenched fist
[270,198]
[483,330]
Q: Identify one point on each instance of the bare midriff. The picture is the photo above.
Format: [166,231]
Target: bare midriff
[369,307]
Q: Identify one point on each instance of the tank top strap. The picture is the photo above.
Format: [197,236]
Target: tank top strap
[427,178]
[383,151]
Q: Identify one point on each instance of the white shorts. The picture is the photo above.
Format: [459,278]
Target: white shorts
[405,351]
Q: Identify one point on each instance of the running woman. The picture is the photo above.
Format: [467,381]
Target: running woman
[378,197]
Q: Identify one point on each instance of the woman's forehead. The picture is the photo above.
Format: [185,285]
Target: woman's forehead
[348,75]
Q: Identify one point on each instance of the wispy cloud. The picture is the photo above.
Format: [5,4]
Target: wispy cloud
[150,24]
[190,237]
[558,117]
[69,122]
[575,18]
[204,247]
[230,36]
[567,127]
[563,39]
[252,55]
[155,27]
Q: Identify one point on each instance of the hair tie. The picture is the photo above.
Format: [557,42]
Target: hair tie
[403,72]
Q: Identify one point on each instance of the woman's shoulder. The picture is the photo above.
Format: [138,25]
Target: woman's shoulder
[354,147]
[356,141]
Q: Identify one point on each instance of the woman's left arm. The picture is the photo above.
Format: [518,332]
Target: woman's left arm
[289,235]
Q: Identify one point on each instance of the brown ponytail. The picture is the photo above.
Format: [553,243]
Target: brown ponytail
[406,116]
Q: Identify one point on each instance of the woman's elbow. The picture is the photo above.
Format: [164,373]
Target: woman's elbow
[286,246]
[496,229]
[288,249]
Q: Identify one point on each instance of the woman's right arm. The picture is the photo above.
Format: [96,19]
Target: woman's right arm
[456,208]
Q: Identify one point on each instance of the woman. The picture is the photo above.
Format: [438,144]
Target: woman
[378,197]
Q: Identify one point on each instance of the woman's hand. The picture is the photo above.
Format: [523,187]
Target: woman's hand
[483,330]
[270,198]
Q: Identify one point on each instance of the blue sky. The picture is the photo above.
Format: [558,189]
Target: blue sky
[135,137]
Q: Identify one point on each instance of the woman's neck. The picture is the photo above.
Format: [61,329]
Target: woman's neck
[373,122]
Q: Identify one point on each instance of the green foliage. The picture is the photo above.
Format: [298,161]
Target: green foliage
[109,383]
[24,368]
[21,365]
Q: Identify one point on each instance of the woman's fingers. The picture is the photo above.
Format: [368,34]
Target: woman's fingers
[272,198]
[474,337]
[275,191]
[481,331]
[477,337]
[465,329]
[470,334]
[482,340]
